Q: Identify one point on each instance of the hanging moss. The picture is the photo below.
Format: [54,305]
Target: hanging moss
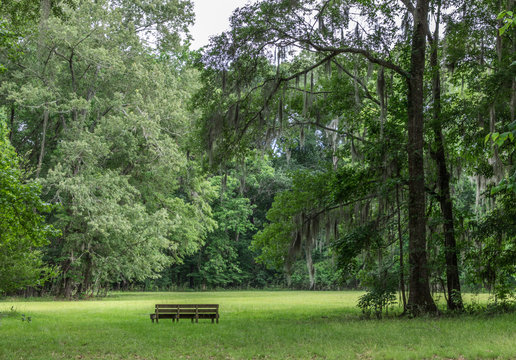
[380,89]
[328,68]
[312,95]
[280,113]
[305,97]
[355,83]
[370,68]
[327,228]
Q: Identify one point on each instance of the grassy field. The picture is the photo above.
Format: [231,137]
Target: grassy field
[253,325]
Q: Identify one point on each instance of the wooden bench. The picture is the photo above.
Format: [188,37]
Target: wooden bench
[186,311]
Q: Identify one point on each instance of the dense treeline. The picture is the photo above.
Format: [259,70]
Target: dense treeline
[317,144]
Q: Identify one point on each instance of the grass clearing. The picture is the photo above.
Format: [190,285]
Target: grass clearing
[253,325]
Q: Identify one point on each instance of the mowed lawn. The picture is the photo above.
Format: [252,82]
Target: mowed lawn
[253,325]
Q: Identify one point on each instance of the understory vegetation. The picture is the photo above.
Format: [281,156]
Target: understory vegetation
[316,145]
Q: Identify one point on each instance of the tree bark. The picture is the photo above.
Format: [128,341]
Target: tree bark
[454,298]
[420,299]
[43,138]
[402,266]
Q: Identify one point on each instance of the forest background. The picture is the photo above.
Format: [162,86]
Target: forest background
[315,145]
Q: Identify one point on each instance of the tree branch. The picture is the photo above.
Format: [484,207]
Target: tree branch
[360,82]
[340,132]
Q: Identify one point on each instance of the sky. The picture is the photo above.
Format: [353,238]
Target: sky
[211,18]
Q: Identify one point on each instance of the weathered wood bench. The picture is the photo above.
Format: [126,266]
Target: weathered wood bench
[186,311]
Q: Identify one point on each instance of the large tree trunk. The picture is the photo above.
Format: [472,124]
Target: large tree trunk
[420,299]
[454,298]
[86,283]
[400,237]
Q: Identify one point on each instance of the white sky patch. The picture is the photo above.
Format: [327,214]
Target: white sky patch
[212,18]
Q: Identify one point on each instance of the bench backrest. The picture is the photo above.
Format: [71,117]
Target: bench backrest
[186,308]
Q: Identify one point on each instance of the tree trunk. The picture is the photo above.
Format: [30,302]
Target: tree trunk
[420,299]
[86,282]
[67,291]
[192,270]
[43,138]
[402,266]
[454,298]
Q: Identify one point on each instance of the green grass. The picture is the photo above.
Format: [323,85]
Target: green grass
[253,324]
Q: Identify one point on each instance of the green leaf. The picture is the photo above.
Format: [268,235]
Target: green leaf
[501,15]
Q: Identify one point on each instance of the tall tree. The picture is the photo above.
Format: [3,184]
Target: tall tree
[454,298]
[330,30]
[420,298]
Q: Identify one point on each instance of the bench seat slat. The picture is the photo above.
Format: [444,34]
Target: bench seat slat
[187,316]
[186,311]
[187,305]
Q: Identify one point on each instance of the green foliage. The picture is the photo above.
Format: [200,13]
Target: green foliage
[23,229]
[218,259]
[506,140]
[244,191]
[352,243]
[305,128]
[508,20]
[309,193]
[328,274]
[376,301]
[495,256]
[114,152]
[17,18]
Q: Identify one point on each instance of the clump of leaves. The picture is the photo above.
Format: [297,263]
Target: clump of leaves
[380,297]
[491,308]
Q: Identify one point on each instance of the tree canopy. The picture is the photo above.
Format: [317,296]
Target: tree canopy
[315,144]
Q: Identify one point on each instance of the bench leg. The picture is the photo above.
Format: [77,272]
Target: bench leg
[212,320]
[192,320]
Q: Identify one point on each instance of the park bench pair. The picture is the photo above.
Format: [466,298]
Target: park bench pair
[186,311]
